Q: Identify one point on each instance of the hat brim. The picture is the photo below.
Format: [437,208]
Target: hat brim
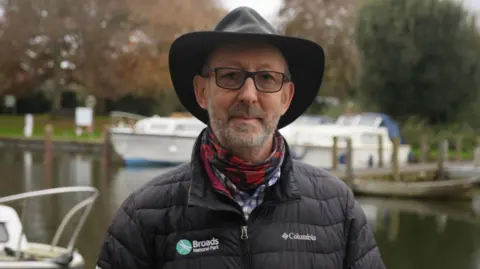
[305,59]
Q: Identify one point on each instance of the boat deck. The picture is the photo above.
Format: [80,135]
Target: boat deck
[35,252]
[42,256]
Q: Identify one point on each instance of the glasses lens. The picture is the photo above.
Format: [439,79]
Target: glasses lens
[269,81]
[229,78]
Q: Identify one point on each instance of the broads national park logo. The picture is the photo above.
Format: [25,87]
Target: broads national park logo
[185,247]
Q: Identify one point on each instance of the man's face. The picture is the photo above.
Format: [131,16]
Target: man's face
[244,117]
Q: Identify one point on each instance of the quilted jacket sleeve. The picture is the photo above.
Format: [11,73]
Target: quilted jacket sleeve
[362,251]
[126,244]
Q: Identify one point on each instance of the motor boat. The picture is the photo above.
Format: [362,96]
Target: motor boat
[16,251]
[313,143]
[156,140]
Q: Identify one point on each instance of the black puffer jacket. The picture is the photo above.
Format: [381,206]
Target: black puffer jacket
[309,220]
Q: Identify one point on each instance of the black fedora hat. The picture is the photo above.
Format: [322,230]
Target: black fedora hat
[189,52]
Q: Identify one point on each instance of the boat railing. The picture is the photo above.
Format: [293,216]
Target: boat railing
[85,204]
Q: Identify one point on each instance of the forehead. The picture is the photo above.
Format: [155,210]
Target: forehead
[248,55]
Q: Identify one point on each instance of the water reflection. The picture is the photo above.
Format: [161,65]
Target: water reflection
[124,181]
[410,234]
[417,234]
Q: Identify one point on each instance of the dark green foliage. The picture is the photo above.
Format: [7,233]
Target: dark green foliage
[419,57]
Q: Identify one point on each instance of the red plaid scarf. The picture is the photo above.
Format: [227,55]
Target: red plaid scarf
[243,174]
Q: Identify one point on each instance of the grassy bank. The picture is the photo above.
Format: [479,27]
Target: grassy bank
[452,154]
[63,128]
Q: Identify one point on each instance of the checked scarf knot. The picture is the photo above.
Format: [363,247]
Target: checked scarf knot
[244,175]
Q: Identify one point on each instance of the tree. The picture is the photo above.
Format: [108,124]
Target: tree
[55,40]
[144,65]
[329,23]
[110,47]
[418,58]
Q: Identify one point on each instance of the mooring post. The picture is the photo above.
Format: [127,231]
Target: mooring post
[47,154]
[349,162]
[335,153]
[446,150]
[48,144]
[441,157]
[395,164]
[106,147]
[476,154]
[380,151]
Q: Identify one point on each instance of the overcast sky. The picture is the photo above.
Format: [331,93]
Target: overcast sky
[269,8]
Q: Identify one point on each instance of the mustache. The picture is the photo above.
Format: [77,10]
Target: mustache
[242,110]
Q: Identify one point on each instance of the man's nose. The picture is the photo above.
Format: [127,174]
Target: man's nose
[248,92]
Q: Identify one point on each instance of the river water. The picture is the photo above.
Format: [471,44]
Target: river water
[410,234]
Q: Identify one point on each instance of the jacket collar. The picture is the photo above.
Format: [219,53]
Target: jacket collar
[202,194]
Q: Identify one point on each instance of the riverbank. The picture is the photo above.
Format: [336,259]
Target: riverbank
[63,127]
[63,134]
[58,143]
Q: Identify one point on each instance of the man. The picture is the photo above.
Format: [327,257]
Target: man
[242,201]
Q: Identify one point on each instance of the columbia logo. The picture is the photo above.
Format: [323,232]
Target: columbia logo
[297,236]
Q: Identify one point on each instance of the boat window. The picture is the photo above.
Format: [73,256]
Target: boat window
[180,127]
[367,120]
[159,126]
[369,139]
[3,233]
[190,127]
[346,120]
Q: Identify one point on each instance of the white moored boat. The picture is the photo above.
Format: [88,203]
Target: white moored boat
[313,144]
[157,140]
[15,249]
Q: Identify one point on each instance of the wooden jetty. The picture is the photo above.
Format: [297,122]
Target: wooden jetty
[422,180]
[420,170]
[414,181]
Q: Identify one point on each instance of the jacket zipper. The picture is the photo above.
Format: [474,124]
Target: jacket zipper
[247,255]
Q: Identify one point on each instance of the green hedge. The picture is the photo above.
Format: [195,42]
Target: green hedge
[415,131]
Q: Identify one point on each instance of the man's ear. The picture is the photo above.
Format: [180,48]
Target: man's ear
[287,95]
[200,88]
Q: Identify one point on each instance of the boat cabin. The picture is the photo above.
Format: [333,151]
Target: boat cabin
[12,238]
[323,135]
[375,120]
[169,126]
[189,127]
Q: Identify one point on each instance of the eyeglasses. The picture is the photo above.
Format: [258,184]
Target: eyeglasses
[234,78]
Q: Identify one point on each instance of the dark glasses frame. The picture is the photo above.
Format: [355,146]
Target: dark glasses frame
[248,74]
